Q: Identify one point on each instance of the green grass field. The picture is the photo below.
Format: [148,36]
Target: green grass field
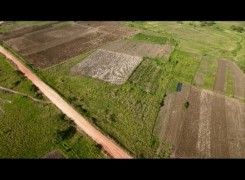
[30,129]
[217,41]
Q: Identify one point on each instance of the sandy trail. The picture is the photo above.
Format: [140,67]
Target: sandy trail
[108,145]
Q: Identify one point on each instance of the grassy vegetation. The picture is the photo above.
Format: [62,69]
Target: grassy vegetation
[125,112]
[229,83]
[30,129]
[11,78]
[205,77]
[128,112]
[155,39]
[217,40]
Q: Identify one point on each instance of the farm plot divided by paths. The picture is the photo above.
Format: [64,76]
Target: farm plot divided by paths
[50,45]
[109,145]
[116,61]
[211,127]
[239,78]
[222,76]
[108,66]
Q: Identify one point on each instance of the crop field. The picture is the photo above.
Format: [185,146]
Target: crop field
[108,66]
[31,129]
[211,127]
[142,49]
[221,76]
[54,43]
[211,41]
[159,89]
[17,28]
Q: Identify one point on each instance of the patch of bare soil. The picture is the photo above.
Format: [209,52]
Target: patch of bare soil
[139,48]
[211,127]
[55,154]
[220,77]
[108,66]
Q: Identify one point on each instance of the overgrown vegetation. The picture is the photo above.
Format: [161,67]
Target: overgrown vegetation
[207,23]
[239,29]
[29,129]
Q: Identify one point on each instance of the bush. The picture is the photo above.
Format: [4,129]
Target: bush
[207,23]
[186,104]
[65,134]
[34,88]
[239,29]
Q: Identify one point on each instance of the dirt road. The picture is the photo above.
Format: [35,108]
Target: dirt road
[108,145]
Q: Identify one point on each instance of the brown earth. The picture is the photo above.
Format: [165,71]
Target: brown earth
[135,48]
[20,30]
[107,144]
[55,44]
[220,77]
[55,154]
[213,126]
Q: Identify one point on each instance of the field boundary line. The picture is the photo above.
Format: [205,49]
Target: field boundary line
[22,94]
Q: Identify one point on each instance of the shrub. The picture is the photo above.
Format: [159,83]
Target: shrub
[186,104]
[68,133]
[239,29]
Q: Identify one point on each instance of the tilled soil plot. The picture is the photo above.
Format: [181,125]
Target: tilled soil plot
[46,47]
[135,48]
[22,30]
[108,66]
[47,38]
[213,126]
[220,77]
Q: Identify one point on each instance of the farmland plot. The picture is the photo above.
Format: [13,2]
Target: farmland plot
[108,66]
[211,127]
[44,47]
[41,40]
[135,48]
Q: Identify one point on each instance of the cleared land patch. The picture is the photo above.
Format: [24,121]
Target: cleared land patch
[143,49]
[108,66]
[220,77]
[211,127]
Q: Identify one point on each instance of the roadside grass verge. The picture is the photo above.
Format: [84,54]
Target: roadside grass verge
[30,129]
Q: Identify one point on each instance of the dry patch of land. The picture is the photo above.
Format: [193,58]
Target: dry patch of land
[108,66]
[143,49]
